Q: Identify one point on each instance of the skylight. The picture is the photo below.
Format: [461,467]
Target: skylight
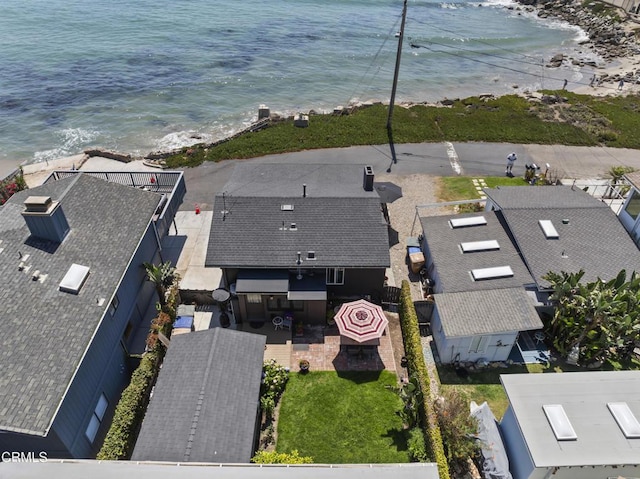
[559,422]
[469,221]
[625,419]
[548,229]
[479,246]
[74,279]
[286,207]
[491,273]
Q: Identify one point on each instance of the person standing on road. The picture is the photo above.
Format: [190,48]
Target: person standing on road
[511,159]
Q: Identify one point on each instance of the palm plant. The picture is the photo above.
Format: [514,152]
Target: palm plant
[162,276]
[601,318]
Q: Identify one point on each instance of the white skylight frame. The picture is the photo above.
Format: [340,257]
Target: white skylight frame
[559,422]
[491,273]
[472,246]
[286,207]
[74,279]
[627,421]
[548,229]
[468,221]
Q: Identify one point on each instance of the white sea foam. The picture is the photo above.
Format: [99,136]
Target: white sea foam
[179,139]
[70,141]
[499,3]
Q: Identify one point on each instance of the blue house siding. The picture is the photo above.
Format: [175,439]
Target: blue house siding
[104,369]
[360,282]
[12,442]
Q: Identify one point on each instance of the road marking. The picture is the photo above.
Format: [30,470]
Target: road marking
[453,158]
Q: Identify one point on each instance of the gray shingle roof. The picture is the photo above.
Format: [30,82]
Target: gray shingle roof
[519,197]
[44,332]
[204,405]
[593,240]
[286,180]
[486,312]
[634,178]
[453,266]
[344,227]
[584,397]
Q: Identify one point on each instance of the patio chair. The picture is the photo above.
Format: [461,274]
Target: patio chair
[287,323]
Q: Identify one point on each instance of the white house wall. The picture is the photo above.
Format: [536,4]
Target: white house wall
[449,348]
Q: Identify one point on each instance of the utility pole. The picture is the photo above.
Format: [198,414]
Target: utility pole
[395,85]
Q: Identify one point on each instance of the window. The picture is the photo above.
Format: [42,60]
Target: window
[633,206]
[96,418]
[335,275]
[114,305]
[478,344]
[254,298]
[283,304]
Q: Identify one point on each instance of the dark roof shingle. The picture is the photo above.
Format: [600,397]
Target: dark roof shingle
[593,239]
[44,332]
[251,229]
[494,311]
[204,405]
[454,267]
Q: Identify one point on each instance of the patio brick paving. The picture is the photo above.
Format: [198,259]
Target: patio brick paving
[321,347]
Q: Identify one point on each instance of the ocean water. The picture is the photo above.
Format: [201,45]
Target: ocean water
[146,75]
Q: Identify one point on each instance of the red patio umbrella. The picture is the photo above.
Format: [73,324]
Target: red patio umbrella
[361,320]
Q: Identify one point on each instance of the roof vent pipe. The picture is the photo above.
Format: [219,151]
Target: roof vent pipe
[304,190]
[299,264]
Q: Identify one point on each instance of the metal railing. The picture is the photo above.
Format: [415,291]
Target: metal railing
[169,184]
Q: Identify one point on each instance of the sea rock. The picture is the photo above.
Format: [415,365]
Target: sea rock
[555,61]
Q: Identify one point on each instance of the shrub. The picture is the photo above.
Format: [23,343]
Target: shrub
[274,380]
[457,427]
[132,406]
[273,457]
[10,186]
[130,410]
[418,368]
[417,445]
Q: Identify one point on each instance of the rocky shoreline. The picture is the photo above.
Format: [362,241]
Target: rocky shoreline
[610,38]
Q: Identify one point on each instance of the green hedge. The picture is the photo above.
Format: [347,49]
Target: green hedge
[418,368]
[132,406]
[130,409]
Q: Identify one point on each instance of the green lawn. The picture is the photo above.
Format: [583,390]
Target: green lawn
[454,188]
[584,120]
[342,418]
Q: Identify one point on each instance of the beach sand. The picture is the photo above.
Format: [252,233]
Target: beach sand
[619,67]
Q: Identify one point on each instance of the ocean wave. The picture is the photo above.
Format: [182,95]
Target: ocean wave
[179,139]
[450,6]
[499,3]
[71,141]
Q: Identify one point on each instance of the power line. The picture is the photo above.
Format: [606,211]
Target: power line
[498,47]
[459,55]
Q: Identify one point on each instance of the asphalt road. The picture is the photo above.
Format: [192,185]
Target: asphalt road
[438,159]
